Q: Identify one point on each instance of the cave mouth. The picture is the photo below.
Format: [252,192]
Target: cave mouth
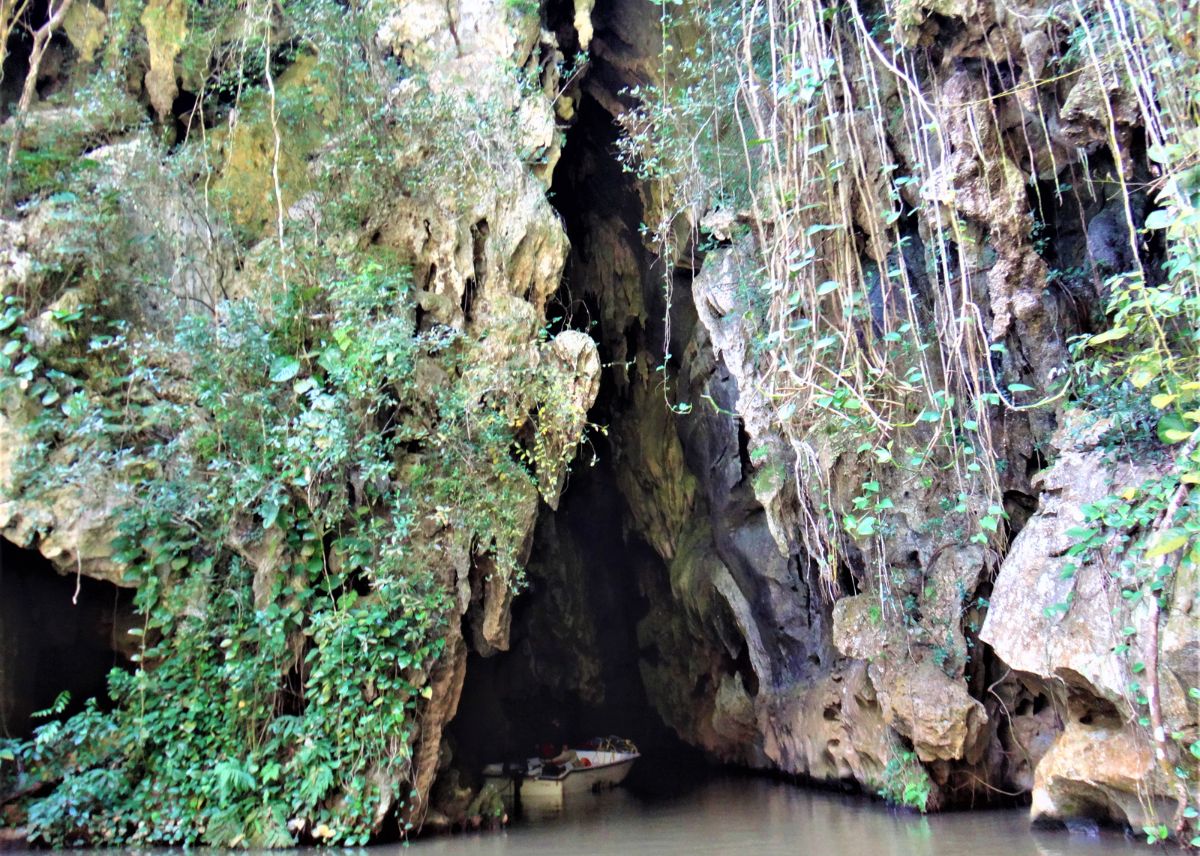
[57,633]
[573,670]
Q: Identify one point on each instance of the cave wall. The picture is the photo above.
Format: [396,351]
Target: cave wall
[733,631]
[571,670]
[747,650]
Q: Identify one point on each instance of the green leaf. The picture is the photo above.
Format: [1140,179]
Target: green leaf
[284,369]
[1161,154]
[269,511]
[1168,542]
[1160,219]
[1109,336]
[1173,428]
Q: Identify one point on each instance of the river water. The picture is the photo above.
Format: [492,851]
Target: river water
[757,817]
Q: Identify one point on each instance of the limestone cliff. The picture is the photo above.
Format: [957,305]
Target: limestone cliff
[431,415]
[865,605]
[308,308]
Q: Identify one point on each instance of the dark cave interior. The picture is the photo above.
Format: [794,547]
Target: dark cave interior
[573,670]
[57,633]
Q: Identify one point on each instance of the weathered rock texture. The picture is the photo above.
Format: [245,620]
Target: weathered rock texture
[1103,763]
[746,651]
[743,646]
[485,249]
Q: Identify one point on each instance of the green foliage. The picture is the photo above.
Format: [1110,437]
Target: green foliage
[293,466]
[905,782]
[262,678]
[682,134]
[523,7]
[1141,373]
[275,456]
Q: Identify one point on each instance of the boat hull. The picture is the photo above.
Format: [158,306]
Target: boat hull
[552,793]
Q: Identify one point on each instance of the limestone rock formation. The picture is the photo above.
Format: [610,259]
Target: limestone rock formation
[792,665]
[484,247]
[893,608]
[1103,764]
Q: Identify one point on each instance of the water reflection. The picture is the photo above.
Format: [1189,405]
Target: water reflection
[761,818]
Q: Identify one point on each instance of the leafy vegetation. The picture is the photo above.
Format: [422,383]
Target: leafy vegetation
[298,463]
[263,675]
[905,782]
[1143,368]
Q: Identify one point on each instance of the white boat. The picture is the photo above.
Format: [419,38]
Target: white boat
[546,786]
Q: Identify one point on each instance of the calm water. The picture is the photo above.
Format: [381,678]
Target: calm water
[753,817]
[748,817]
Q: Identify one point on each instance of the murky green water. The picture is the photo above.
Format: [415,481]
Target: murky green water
[746,817]
[750,817]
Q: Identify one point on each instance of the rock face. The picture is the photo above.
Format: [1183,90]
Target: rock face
[754,646]
[490,267]
[75,528]
[1103,763]
[907,654]
[484,248]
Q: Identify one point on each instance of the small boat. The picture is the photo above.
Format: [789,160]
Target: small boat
[549,784]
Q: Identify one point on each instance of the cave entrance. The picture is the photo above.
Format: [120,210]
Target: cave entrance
[575,666]
[572,671]
[56,633]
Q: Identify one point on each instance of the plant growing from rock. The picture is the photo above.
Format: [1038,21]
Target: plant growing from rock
[298,457]
[891,274]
